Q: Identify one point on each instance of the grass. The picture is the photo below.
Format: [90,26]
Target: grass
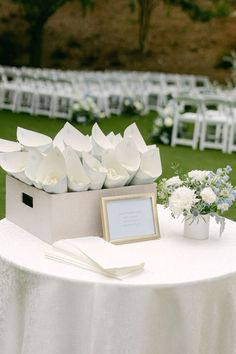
[184,156]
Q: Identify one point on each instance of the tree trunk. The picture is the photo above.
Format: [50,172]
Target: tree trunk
[145,11]
[36,41]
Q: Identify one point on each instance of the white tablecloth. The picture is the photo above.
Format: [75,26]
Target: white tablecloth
[183,303]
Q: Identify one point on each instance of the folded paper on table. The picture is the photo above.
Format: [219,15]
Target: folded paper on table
[94,253]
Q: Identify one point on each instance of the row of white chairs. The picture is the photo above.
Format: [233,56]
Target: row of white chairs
[213,121]
[108,88]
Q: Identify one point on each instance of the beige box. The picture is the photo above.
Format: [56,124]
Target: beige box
[53,217]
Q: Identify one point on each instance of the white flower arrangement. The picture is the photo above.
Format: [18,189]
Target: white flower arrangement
[86,110]
[133,106]
[163,124]
[198,193]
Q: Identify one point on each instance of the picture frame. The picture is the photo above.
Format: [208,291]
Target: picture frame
[130,218]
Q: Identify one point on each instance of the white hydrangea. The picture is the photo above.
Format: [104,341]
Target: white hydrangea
[168,122]
[181,200]
[208,195]
[173,181]
[198,175]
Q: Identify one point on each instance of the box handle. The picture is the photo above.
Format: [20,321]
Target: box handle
[27,200]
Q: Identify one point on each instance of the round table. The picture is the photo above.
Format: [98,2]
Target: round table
[184,302]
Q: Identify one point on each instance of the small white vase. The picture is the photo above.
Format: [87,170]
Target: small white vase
[198,228]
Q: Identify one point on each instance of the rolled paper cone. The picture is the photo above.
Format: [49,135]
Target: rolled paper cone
[150,147]
[33,140]
[128,156]
[117,176]
[9,146]
[32,165]
[100,142]
[76,140]
[14,164]
[51,174]
[95,171]
[76,175]
[114,139]
[58,141]
[150,167]
[133,132]
[22,177]
[57,188]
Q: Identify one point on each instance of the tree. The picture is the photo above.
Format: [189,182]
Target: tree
[192,7]
[36,14]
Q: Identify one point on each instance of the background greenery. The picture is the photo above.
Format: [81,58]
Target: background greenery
[184,156]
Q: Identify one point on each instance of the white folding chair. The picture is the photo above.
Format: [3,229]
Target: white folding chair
[25,98]
[8,95]
[44,102]
[232,128]
[154,89]
[215,124]
[188,113]
[62,105]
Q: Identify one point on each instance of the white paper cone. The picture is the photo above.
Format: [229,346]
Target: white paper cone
[51,174]
[58,141]
[14,163]
[117,176]
[76,175]
[128,156]
[76,140]
[133,132]
[150,147]
[32,165]
[101,143]
[33,140]
[95,171]
[9,146]
[150,167]
[114,139]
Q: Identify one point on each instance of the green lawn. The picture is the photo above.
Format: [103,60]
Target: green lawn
[184,156]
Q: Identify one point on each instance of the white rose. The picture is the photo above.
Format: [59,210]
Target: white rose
[174,181]
[138,105]
[181,199]
[169,111]
[158,122]
[76,106]
[168,122]
[198,175]
[208,195]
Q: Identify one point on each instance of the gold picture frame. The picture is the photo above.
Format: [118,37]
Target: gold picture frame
[125,223]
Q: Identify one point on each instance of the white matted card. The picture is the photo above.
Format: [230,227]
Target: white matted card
[130,218]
